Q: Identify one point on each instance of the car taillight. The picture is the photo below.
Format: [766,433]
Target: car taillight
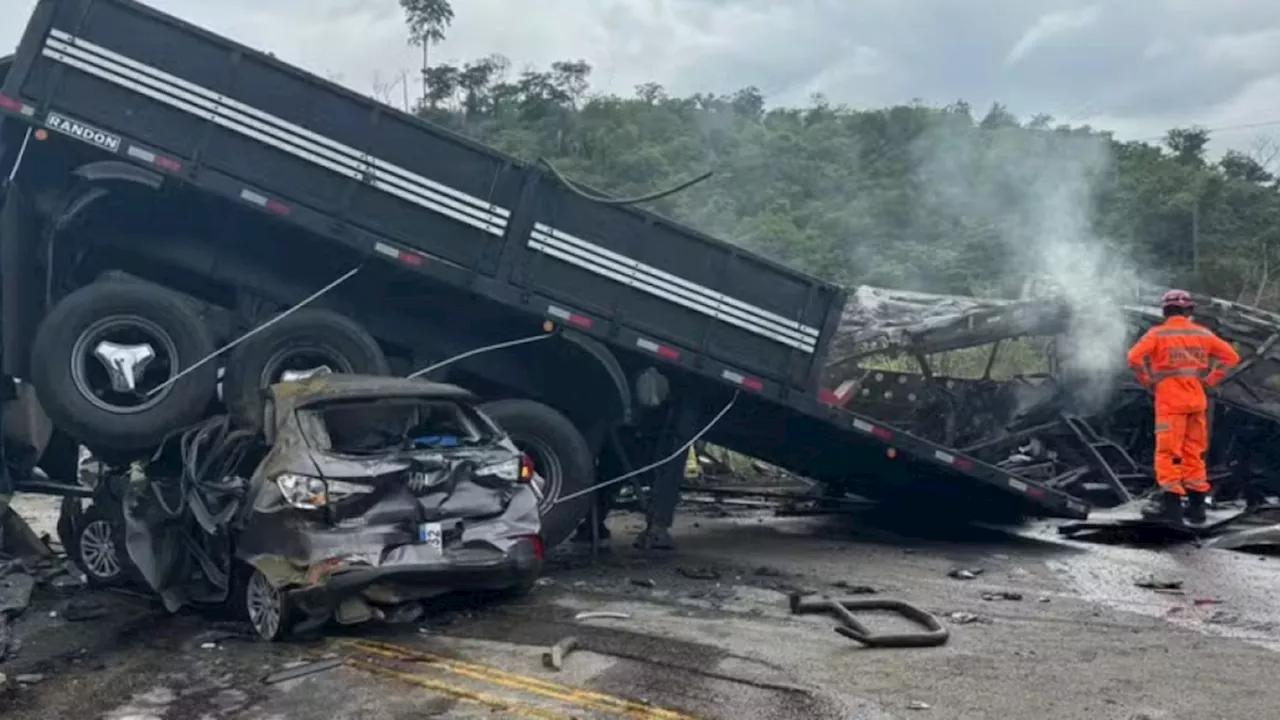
[539,550]
[526,469]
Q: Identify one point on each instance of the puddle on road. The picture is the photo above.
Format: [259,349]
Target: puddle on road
[1224,593]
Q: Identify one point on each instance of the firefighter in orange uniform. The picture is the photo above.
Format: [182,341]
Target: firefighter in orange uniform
[1176,360]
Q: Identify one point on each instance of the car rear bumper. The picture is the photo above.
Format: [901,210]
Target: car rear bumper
[478,571]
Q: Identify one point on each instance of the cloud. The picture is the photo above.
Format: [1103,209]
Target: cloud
[1139,67]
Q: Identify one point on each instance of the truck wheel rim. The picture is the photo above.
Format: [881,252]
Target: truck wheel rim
[548,480]
[264,605]
[98,550]
[126,349]
[302,359]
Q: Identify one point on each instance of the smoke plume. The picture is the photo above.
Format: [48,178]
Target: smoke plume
[1036,192]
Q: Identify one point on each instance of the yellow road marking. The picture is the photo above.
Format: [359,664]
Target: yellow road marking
[458,693]
[586,699]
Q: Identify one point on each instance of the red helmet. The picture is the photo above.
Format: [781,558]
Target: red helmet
[1178,299]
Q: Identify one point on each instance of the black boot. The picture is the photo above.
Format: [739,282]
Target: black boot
[1196,508]
[1164,507]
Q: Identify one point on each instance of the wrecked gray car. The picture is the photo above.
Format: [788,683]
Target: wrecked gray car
[361,497]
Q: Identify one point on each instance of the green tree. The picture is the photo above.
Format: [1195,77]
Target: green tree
[427,20]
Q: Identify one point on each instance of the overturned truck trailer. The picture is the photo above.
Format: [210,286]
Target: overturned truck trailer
[999,380]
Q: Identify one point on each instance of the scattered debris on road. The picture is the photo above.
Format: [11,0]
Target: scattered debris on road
[965,573]
[601,614]
[553,658]
[303,670]
[968,618]
[1151,582]
[699,573]
[1002,595]
[934,632]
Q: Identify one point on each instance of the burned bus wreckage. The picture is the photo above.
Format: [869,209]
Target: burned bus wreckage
[995,379]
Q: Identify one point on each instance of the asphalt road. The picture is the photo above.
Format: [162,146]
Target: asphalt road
[708,634]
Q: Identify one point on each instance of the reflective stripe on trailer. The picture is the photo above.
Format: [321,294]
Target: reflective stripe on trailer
[659,283]
[395,253]
[151,157]
[737,378]
[8,103]
[866,427]
[569,316]
[275,132]
[661,351]
[256,198]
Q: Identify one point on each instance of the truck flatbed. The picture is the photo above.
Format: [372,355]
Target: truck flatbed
[208,113]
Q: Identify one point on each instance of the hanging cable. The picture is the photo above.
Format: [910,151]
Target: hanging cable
[678,453]
[305,301]
[477,351]
[620,201]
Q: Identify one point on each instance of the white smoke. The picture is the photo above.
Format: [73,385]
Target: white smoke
[1036,191]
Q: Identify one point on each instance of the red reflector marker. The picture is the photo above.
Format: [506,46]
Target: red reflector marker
[828,397]
[661,351]
[277,207]
[395,253]
[9,103]
[572,318]
[169,164]
[882,433]
[749,383]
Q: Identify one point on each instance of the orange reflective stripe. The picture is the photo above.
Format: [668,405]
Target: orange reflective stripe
[1183,332]
[1162,427]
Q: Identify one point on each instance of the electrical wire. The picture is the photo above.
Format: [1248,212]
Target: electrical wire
[678,453]
[621,201]
[477,351]
[303,303]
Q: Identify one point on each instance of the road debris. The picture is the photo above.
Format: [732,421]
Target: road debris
[299,671]
[1151,582]
[29,678]
[934,632]
[643,582]
[1002,595]
[967,618]
[601,614]
[965,573]
[699,573]
[553,658]
[767,571]
[83,608]
[918,705]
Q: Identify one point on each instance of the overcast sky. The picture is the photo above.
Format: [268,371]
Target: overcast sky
[1136,67]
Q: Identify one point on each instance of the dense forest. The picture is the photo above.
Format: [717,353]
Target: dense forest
[919,197]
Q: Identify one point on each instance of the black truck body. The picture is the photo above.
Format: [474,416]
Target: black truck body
[498,240]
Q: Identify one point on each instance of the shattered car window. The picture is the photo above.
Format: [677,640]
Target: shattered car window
[362,427]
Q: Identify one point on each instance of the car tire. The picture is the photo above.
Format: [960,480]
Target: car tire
[72,385]
[551,440]
[266,608]
[326,335]
[97,548]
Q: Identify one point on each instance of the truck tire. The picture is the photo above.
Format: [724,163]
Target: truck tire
[310,337]
[73,382]
[561,456]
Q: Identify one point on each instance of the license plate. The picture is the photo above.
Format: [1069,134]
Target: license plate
[431,534]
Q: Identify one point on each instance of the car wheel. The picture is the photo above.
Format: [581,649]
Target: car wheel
[97,548]
[101,358]
[266,607]
[307,341]
[561,457]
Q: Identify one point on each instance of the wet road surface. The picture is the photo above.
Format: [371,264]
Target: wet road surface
[709,635]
